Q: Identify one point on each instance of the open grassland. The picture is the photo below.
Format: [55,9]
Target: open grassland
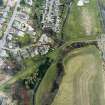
[82,22]
[82,83]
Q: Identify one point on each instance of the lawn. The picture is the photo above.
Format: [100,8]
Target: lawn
[82,82]
[82,22]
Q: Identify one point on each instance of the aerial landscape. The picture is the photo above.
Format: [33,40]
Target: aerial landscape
[52,52]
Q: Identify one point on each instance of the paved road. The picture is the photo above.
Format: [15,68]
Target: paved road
[3,40]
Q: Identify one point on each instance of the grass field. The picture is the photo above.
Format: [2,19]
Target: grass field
[82,83]
[82,22]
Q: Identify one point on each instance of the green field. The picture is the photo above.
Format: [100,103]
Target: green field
[82,22]
[82,82]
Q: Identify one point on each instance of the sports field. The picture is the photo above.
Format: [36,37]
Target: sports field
[83,22]
[82,83]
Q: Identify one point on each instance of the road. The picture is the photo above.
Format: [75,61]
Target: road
[3,40]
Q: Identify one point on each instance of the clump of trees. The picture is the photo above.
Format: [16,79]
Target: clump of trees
[36,77]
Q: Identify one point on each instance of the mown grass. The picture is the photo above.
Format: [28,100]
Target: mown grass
[74,28]
[76,63]
[96,90]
